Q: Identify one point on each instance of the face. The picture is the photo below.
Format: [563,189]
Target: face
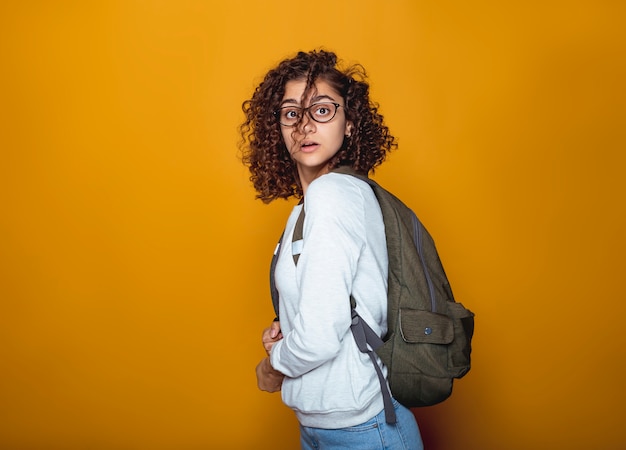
[310,143]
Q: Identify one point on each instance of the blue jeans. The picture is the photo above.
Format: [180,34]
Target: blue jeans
[375,434]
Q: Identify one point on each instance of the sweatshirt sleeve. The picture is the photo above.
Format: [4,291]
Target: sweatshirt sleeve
[333,238]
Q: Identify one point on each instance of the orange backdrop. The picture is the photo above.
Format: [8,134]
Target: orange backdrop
[133,256]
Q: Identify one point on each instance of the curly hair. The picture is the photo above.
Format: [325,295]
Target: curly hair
[273,171]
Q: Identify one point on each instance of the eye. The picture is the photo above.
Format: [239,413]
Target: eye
[290,114]
[322,110]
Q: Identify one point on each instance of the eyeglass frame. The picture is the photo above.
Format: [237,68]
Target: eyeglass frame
[307,110]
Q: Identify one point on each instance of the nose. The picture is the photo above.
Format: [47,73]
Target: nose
[307,125]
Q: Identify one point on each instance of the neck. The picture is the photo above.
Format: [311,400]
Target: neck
[308,174]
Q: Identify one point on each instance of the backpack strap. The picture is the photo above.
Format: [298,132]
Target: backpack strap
[296,247]
[273,289]
[296,240]
[364,335]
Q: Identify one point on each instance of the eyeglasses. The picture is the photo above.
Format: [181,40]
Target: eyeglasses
[320,112]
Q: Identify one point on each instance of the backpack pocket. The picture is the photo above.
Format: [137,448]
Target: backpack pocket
[425,339]
[448,339]
[425,327]
[460,347]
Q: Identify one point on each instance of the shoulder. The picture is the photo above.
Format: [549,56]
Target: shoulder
[335,195]
[339,186]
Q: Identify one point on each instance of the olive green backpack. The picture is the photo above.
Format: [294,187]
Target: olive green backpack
[428,343]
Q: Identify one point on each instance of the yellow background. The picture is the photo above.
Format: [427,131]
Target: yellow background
[133,256]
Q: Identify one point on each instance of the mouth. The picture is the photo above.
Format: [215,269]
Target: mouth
[308,146]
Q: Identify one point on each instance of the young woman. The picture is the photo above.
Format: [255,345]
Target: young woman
[305,119]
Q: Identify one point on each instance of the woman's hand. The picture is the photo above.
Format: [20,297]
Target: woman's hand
[271,336]
[267,378]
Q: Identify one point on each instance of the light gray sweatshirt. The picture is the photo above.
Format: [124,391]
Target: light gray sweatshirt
[329,383]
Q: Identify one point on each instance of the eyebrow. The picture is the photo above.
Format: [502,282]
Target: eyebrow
[315,99]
